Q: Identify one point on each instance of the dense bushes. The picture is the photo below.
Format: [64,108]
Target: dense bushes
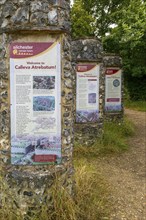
[136,87]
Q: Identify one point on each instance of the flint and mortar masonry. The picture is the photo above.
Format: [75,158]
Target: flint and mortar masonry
[34,15]
[30,187]
[112,60]
[89,50]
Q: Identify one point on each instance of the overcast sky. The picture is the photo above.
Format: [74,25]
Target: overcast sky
[71,2]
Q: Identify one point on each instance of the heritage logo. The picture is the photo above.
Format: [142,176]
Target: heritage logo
[111,71]
[82,68]
[25,50]
[85,68]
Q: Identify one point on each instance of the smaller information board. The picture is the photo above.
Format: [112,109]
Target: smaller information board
[87,93]
[113,89]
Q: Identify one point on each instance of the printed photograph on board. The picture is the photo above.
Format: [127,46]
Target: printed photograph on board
[92,98]
[32,150]
[84,116]
[45,123]
[43,82]
[92,84]
[43,103]
[113,108]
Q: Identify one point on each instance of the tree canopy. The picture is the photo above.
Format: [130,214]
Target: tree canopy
[121,25]
[81,20]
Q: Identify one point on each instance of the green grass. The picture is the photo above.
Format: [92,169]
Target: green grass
[114,140]
[91,191]
[115,136]
[136,105]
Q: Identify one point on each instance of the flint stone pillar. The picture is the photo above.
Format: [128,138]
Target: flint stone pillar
[88,54]
[114,88]
[35,21]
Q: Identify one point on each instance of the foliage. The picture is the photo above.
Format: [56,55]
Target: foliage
[103,13]
[128,38]
[134,64]
[81,21]
[136,87]
[136,105]
[122,27]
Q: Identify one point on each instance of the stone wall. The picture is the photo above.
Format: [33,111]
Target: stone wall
[34,15]
[89,50]
[112,60]
[28,187]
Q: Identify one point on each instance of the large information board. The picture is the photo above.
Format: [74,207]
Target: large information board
[87,93]
[35,82]
[113,89]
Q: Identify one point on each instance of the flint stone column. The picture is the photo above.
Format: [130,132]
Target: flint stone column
[34,21]
[113,63]
[89,51]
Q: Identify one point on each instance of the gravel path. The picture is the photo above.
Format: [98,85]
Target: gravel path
[126,174]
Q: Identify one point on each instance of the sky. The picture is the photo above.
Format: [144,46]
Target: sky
[71,2]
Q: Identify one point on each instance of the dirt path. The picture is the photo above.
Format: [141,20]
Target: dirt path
[126,174]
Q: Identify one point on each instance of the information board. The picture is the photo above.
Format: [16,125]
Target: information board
[113,89]
[87,93]
[35,85]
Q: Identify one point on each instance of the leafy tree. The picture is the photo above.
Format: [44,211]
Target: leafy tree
[121,25]
[103,12]
[81,21]
[127,15]
[128,39]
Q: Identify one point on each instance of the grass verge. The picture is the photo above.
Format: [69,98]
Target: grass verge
[113,141]
[136,105]
[91,191]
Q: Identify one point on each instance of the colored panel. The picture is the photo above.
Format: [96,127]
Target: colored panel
[35,103]
[113,90]
[87,93]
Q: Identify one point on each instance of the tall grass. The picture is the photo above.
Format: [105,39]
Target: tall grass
[91,191]
[114,140]
[115,136]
